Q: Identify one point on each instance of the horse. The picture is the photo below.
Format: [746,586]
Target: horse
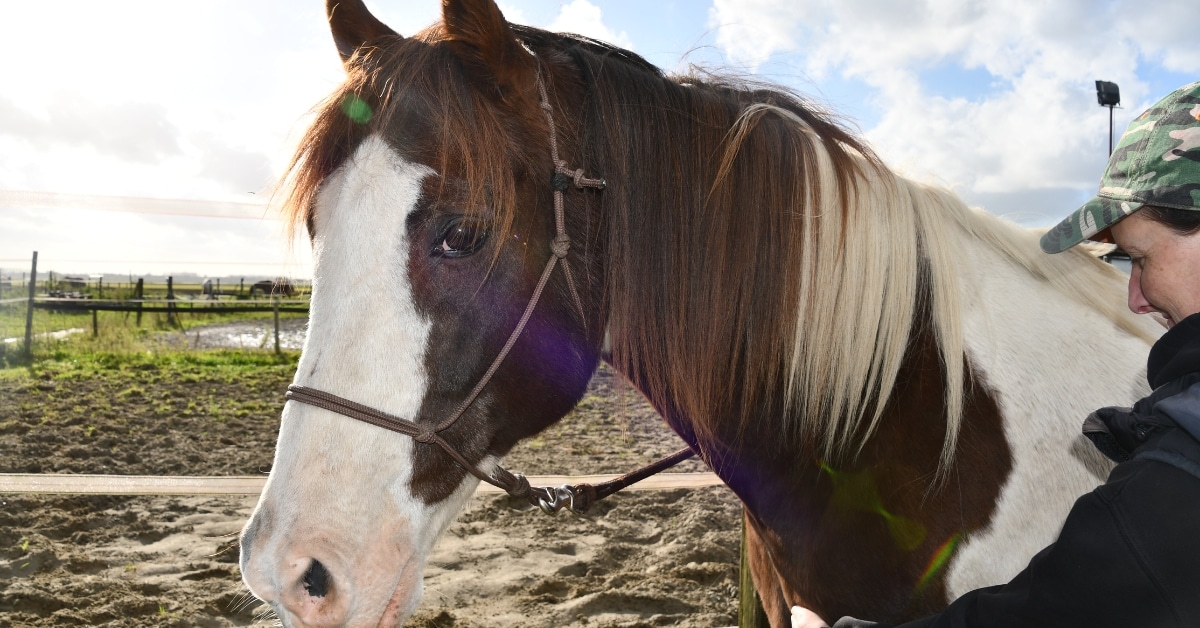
[280,286]
[890,381]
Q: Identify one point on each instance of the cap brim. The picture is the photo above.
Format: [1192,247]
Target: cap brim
[1089,222]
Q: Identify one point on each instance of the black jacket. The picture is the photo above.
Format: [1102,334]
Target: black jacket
[1129,552]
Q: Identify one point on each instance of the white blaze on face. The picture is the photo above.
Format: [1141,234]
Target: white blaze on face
[339,489]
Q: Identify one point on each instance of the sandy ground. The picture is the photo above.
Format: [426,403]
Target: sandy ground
[640,559]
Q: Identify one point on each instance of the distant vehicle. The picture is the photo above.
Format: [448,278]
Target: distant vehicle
[278,287]
[73,283]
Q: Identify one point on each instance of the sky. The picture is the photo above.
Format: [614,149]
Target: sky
[146,137]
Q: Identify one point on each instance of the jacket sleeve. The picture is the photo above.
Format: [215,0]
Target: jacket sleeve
[1094,575]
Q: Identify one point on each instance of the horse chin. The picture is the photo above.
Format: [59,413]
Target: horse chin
[405,598]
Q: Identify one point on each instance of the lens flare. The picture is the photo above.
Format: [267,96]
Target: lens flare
[357,109]
[939,560]
[858,491]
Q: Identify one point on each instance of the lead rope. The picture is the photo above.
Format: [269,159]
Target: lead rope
[578,498]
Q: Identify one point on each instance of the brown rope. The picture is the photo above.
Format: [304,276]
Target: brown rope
[580,497]
[558,181]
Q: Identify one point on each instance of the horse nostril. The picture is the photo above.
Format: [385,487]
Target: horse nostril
[316,579]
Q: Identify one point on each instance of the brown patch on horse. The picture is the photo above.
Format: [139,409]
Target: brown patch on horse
[860,536]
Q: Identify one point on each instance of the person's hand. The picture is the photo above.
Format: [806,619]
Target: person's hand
[804,618]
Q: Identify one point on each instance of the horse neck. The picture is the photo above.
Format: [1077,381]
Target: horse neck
[721,308]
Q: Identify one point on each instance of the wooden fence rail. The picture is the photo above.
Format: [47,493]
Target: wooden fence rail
[176,306]
[83,484]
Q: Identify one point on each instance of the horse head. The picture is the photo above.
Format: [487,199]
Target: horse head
[425,185]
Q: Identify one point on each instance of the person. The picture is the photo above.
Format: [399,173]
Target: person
[1128,554]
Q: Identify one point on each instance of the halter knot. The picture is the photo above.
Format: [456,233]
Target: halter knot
[564,175]
[425,435]
[560,246]
[559,181]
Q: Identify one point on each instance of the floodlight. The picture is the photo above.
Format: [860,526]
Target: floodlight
[1108,94]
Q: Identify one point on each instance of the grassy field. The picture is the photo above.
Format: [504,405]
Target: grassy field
[115,332]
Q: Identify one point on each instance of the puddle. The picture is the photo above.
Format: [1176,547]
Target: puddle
[52,335]
[241,335]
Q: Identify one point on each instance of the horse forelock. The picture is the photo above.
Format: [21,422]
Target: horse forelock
[417,95]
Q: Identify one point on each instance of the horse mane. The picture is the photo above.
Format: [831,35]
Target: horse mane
[765,272]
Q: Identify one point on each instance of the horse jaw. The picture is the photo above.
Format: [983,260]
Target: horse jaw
[366,341]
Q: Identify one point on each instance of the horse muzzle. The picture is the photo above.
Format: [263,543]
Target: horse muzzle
[310,584]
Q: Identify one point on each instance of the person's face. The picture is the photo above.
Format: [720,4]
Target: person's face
[1165,275]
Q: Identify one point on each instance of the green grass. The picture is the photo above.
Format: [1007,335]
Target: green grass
[69,360]
[116,333]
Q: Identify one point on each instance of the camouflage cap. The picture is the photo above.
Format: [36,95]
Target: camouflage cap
[1157,162]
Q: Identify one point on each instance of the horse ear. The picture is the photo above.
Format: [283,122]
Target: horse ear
[484,40]
[353,25]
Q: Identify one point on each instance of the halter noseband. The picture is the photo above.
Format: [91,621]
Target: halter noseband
[577,498]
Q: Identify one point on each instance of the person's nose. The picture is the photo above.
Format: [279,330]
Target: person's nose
[1137,301]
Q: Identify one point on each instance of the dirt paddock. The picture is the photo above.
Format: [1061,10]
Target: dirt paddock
[661,558]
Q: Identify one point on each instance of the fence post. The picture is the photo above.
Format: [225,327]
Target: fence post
[276,307]
[171,301]
[29,310]
[750,608]
[137,294]
[95,325]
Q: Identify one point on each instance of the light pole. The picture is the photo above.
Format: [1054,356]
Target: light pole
[1108,95]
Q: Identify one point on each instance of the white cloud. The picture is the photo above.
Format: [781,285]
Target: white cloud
[1165,31]
[584,18]
[1036,127]
[512,13]
[130,98]
[750,31]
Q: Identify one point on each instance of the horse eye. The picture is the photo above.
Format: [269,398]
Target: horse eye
[460,239]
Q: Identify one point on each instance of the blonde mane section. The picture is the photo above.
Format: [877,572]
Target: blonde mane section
[871,263]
